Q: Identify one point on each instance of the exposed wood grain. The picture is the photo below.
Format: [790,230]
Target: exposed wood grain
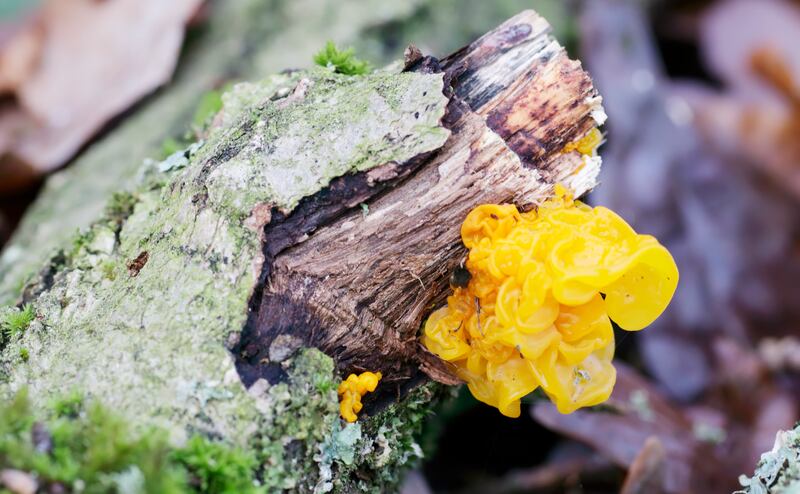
[357,282]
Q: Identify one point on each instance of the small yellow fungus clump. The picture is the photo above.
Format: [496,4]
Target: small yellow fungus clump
[537,311]
[587,144]
[352,389]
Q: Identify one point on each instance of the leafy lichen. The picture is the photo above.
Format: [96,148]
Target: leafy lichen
[778,471]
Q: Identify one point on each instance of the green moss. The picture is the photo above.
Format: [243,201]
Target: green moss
[210,105]
[68,405]
[119,207]
[80,240]
[24,354]
[16,321]
[109,269]
[216,467]
[92,452]
[83,447]
[303,445]
[341,61]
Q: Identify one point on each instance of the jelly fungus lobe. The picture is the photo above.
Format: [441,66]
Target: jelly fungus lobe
[352,389]
[537,310]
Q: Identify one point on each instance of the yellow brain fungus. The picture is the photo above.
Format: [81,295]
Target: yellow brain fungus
[352,389]
[537,311]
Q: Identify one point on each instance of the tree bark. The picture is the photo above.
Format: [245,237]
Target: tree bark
[305,237]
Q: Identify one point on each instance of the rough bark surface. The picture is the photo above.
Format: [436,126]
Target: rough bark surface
[321,211]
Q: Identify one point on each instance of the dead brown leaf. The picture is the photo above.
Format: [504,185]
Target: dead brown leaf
[732,31]
[646,474]
[636,413]
[752,46]
[96,60]
[18,56]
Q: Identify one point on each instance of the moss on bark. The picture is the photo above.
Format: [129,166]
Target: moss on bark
[300,444]
[137,310]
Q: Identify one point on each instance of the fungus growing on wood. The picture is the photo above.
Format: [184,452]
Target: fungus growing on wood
[544,288]
[352,389]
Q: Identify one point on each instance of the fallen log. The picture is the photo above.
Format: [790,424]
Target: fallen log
[306,237]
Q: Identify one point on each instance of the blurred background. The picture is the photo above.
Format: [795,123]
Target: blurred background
[703,151]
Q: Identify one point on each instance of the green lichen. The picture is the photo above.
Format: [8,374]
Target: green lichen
[298,414]
[778,471]
[390,443]
[341,61]
[291,147]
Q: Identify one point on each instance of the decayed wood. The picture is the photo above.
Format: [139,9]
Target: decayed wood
[357,282]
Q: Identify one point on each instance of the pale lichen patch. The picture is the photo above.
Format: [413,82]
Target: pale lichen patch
[290,149]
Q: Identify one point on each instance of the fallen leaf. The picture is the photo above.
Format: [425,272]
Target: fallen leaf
[18,56]
[635,413]
[646,474]
[732,31]
[18,482]
[96,60]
